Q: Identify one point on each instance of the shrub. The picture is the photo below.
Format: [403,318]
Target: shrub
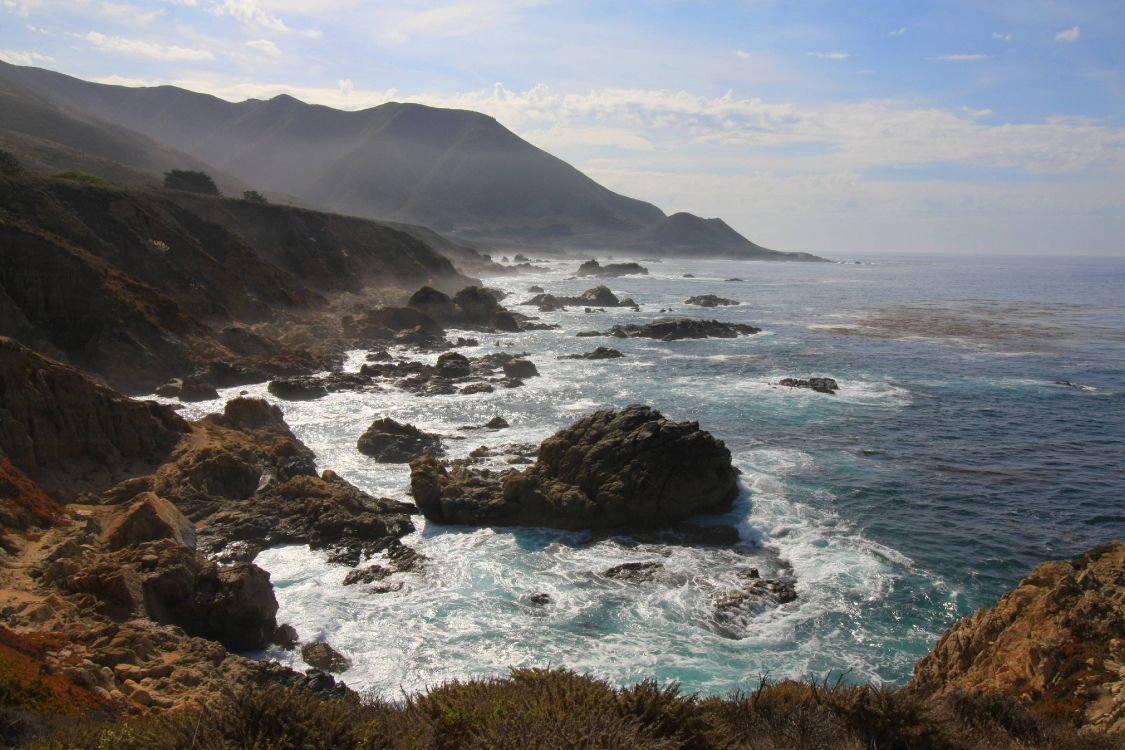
[253,196]
[194,182]
[9,164]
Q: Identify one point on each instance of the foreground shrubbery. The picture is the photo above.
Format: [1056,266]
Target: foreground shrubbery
[534,709]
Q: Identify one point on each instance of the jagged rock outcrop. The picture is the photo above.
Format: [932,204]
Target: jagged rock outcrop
[1056,643]
[147,518]
[673,329]
[57,425]
[391,442]
[611,469]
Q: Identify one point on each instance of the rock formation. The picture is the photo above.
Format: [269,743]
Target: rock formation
[1057,643]
[593,268]
[710,300]
[820,385]
[611,469]
[390,442]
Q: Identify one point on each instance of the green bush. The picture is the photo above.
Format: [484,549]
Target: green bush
[194,182]
[9,164]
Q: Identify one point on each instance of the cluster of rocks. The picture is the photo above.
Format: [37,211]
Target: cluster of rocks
[673,329]
[820,385]
[599,296]
[593,268]
[710,300]
[628,468]
[390,442]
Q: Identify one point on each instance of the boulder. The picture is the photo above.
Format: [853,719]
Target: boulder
[242,613]
[322,656]
[612,469]
[433,303]
[504,321]
[286,637]
[298,389]
[476,388]
[820,385]
[147,519]
[520,368]
[497,423]
[453,365]
[391,442]
[188,389]
[635,572]
[477,306]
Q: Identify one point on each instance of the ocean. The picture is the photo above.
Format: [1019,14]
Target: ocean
[979,430]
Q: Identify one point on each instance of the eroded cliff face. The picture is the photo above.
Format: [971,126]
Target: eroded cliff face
[1057,643]
[140,286]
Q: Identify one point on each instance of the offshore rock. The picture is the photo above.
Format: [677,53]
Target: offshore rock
[1056,643]
[593,268]
[390,442]
[628,468]
[710,300]
[602,352]
[820,385]
[673,329]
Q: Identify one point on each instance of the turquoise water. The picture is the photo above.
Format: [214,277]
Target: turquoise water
[949,464]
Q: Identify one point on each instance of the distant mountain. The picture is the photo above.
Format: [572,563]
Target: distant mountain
[686,234]
[48,137]
[454,171]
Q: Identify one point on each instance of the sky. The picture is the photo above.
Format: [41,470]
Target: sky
[830,127]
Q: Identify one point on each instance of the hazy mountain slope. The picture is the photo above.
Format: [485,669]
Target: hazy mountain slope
[452,170]
[438,167]
[49,137]
[688,234]
[139,286]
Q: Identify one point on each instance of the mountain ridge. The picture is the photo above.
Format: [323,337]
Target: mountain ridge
[455,171]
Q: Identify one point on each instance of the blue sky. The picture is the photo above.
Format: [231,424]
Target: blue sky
[830,127]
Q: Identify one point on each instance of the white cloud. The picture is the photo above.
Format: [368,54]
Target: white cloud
[1001,37]
[897,32]
[125,13]
[251,14]
[831,55]
[964,58]
[1068,35]
[265,46]
[20,57]
[742,53]
[400,21]
[149,50]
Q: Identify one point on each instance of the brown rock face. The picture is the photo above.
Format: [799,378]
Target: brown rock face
[148,518]
[1057,642]
[55,422]
[611,469]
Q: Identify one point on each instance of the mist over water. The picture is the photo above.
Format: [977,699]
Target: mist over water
[949,464]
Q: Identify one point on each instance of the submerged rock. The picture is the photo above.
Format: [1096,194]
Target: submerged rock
[710,300]
[672,329]
[611,469]
[391,442]
[820,385]
[298,389]
[602,352]
[635,572]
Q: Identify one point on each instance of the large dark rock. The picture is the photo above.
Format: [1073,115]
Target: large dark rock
[433,303]
[520,368]
[298,389]
[593,268]
[322,656]
[673,329]
[453,365]
[628,468]
[599,296]
[477,306]
[390,442]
